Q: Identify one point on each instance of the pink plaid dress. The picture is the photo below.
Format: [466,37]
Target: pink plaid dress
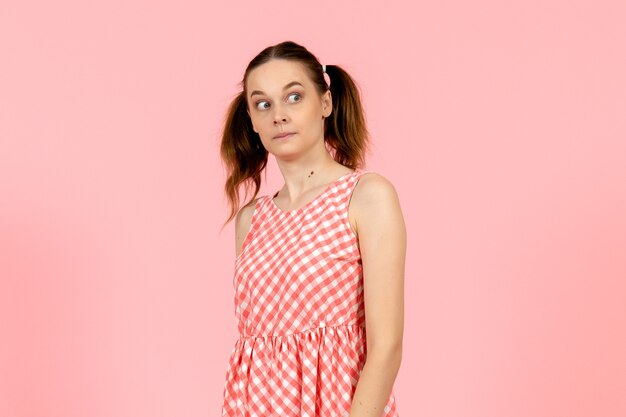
[300,312]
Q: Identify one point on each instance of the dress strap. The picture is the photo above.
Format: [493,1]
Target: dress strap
[351,185]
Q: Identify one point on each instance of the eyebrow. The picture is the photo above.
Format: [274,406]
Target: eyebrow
[291,84]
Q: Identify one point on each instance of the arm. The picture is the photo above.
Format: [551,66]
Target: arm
[382,240]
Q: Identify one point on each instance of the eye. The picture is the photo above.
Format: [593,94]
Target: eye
[296,94]
[260,102]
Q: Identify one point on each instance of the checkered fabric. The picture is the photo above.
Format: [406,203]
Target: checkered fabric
[300,312]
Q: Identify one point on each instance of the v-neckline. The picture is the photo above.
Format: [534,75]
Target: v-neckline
[326,190]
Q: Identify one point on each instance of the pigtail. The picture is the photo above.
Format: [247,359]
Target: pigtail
[345,130]
[242,153]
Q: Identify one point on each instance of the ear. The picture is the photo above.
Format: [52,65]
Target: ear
[327,104]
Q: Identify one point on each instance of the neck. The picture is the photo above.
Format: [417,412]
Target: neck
[301,178]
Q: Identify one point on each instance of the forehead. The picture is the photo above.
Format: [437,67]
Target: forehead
[273,75]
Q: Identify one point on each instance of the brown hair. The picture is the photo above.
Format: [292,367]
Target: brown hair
[345,130]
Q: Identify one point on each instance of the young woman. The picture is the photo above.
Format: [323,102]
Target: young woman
[319,267]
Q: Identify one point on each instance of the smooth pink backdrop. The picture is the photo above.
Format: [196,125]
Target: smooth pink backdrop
[501,124]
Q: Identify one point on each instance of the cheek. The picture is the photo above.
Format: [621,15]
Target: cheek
[308,114]
[262,119]
[258,122]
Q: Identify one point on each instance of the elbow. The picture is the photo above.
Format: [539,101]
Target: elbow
[386,355]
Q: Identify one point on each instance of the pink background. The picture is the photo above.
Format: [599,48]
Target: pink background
[501,125]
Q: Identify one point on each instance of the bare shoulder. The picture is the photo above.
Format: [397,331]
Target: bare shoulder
[374,197]
[242,224]
[372,186]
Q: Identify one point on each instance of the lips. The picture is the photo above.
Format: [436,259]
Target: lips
[282,135]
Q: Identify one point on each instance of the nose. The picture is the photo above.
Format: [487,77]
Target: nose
[278,119]
[279,116]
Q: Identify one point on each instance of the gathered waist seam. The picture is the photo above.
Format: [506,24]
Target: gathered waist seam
[301,332]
